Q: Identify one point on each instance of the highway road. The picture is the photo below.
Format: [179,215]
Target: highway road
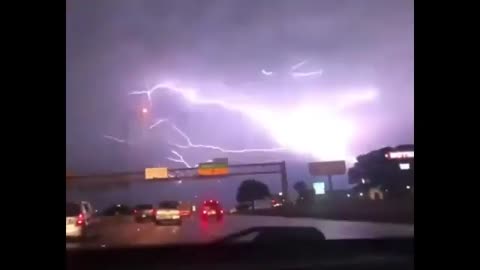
[123,231]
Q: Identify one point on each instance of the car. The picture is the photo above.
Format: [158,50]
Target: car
[168,213]
[144,212]
[79,217]
[211,208]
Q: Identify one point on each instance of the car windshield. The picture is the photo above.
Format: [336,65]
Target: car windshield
[240,114]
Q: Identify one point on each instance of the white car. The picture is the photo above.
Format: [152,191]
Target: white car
[168,213]
[79,217]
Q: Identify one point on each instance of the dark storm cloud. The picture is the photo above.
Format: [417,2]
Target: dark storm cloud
[116,46]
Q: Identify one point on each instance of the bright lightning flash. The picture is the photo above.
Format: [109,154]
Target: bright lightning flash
[315,129]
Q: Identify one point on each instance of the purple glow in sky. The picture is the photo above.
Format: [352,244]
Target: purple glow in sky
[304,80]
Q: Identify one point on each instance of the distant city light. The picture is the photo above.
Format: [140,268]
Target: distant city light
[361,194]
[363,181]
[407,187]
[280,193]
[348,195]
[404,166]
[179,181]
[144,110]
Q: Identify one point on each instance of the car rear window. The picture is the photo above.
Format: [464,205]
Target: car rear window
[168,205]
[144,206]
[72,209]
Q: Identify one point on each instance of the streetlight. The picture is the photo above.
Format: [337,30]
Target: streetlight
[144,110]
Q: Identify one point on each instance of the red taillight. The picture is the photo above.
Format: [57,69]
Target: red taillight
[204,212]
[135,211]
[80,220]
[221,211]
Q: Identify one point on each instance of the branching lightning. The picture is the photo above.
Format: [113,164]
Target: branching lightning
[223,150]
[297,74]
[179,160]
[315,127]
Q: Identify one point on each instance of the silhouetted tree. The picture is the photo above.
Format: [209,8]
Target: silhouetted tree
[306,196]
[251,190]
[378,171]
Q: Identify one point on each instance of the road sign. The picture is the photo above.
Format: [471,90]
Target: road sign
[212,169]
[156,173]
[326,168]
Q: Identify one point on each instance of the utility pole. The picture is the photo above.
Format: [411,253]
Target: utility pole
[283,173]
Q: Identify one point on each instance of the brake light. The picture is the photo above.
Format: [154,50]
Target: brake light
[204,212]
[221,211]
[80,220]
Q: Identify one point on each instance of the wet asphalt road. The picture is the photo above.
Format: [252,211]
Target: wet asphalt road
[123,231]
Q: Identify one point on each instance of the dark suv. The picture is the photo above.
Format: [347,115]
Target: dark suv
[144,212]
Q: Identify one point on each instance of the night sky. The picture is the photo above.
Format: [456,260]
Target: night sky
[317,80]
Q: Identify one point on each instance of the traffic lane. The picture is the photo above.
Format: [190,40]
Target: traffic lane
[109,231]
[197,230]
[332,229]
[127,232]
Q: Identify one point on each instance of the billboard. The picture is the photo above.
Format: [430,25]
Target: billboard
[156,173]
[325,168]
[400,155]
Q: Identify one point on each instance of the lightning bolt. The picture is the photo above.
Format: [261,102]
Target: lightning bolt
[296,66]
[307,74]
[115,139]
[290,127]
[158,122]
[179,160]
[223,150]
[189,94]
[266,73]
